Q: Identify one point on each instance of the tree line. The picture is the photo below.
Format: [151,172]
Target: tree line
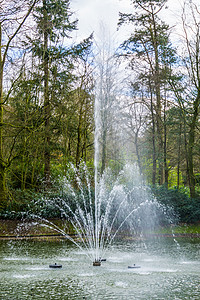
[166,85]
[48,87]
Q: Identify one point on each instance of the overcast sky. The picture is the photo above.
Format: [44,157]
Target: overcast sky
[91,12]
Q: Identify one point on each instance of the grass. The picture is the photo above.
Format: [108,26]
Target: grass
[181,229]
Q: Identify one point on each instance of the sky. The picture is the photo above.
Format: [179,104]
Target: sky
[91,13]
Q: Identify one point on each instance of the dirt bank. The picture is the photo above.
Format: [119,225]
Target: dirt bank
[16,229]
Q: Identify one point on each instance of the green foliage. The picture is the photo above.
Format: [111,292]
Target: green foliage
[58,14]
[173,178]
[197,179]
[71,103]
[187,209]
[19,203]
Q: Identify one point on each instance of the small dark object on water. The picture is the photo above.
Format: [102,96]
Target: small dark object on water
[102,259]
[96,263]
[55,266]
[134,267]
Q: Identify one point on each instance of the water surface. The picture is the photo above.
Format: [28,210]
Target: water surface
[169,270]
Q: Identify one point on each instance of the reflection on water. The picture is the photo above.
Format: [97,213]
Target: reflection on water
[166,272]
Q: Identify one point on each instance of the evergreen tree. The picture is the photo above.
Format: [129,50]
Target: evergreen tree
[55,60]
[53,25]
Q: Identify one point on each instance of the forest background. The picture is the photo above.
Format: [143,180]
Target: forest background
[148,88]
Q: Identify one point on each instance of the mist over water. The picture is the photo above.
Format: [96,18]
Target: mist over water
[119,206]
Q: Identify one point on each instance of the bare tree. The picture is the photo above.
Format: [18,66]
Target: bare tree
[107,89]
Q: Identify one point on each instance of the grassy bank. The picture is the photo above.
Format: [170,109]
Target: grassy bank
[184,229]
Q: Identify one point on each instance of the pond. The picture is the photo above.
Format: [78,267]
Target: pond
[169,269]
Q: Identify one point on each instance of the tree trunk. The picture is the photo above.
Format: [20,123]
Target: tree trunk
[191,145]
[47,171]
[165,148]
[78,146]
[179,154]
[165,156]
[137,151]
[159,125]
[3,190]
[153,138]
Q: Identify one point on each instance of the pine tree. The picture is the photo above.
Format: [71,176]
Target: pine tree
[54,25]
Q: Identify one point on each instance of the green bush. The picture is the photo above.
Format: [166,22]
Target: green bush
[186,208]
[19,203]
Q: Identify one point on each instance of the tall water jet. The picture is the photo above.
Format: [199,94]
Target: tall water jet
[117,204]
[96,162]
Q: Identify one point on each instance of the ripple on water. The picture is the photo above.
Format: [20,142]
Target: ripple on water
[86,274]
[158,278]
[148,259]
[67,259]
[190,262]
[16,258]
[121,284]
[23,276]
[37,268]
[116,259]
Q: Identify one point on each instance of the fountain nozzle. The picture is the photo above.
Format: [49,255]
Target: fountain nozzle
[96,263]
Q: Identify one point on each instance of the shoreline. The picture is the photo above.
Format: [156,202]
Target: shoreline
[53,237]
[18,230]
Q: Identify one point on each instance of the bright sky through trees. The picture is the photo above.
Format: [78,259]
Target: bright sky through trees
[91,12]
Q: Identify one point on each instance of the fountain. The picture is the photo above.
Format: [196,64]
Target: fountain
[115,208]
[122,206]
[98,213]
[113,218]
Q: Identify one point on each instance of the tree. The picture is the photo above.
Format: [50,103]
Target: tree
[13,16]
[189,98]
[151,55]
[136,119]
[53,25]
[108,85]
[26,112]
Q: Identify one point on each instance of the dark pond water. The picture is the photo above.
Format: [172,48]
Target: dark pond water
[169,270]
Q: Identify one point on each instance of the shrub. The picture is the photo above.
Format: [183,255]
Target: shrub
[186,208]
